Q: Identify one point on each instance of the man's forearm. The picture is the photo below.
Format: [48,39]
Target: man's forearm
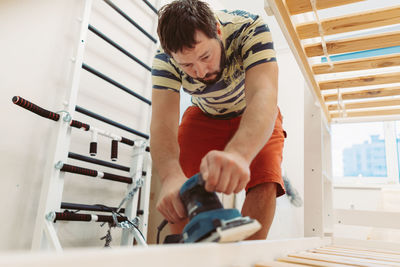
[165,153]
[256,126]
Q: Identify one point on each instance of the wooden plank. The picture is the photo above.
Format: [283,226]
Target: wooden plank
[360,252]
[370,245]
[355,44]
[365,251]
[383,219]
[361,81]
[277,264]
[374,250]
[356,255]
[309,262]
[283,17]
[383,112]
[244,253]
[358,64]
[301,6]
[369,104]
[372,93]
[341,259]
[353,22]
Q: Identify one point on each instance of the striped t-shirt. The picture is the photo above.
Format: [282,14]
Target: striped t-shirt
[247,42]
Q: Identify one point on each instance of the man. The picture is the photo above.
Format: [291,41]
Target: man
[226,61]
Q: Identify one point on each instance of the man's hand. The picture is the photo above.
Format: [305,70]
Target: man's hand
[169,203]
[225,172]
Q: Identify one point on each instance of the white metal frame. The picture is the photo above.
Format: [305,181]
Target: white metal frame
[53,182]
[131,208]
[45,234]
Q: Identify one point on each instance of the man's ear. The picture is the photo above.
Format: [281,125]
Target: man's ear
[219,31]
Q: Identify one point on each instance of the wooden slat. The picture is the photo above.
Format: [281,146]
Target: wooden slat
[381,92]
[371,113]
[342,259]
[358,64]
[353,22]
[373,250]
[285,18]
[355,255]
[354,44]
[381,219]
[308,262]
[301,6]
[277,264]
[361,81]
[369,104]
[379,253]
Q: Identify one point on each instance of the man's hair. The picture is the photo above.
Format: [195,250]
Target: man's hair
[178,22]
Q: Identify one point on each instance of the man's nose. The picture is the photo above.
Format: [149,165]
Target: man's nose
[201,71]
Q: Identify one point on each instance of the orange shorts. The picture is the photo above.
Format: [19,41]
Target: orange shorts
[198,134]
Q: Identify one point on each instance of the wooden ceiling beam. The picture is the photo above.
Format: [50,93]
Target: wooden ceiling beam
[358,64]
[353,22]
[355,44]
[284,19]
[381,92]
[370,113]
[369,104]
[361,81]
[301,6]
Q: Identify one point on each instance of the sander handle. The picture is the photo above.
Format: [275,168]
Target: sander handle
[196,199]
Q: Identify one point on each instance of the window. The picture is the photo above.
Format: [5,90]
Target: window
[362,152]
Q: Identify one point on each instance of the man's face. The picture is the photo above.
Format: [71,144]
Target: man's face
[203,62]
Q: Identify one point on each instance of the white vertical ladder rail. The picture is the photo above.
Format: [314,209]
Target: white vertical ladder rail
[44,236]
[136,172]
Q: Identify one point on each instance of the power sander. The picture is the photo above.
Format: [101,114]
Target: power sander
[208,220]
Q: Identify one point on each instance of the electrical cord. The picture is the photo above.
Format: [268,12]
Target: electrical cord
[159,229]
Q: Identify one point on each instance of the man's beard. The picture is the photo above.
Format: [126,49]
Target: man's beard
[217,73]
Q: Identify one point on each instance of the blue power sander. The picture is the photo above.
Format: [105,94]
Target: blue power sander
[208,220]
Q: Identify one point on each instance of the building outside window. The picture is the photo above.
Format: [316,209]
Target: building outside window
[365,159]
[362,152]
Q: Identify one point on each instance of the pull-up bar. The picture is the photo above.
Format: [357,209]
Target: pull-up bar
[94,173]
[123,14]
[78,217]
[77,124]
[98,162]
[101,208]
[35,109]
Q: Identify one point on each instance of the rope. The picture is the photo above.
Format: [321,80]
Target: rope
[107,237]
[321,33]
[341,105]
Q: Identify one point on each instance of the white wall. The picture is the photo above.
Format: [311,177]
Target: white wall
[39,38]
